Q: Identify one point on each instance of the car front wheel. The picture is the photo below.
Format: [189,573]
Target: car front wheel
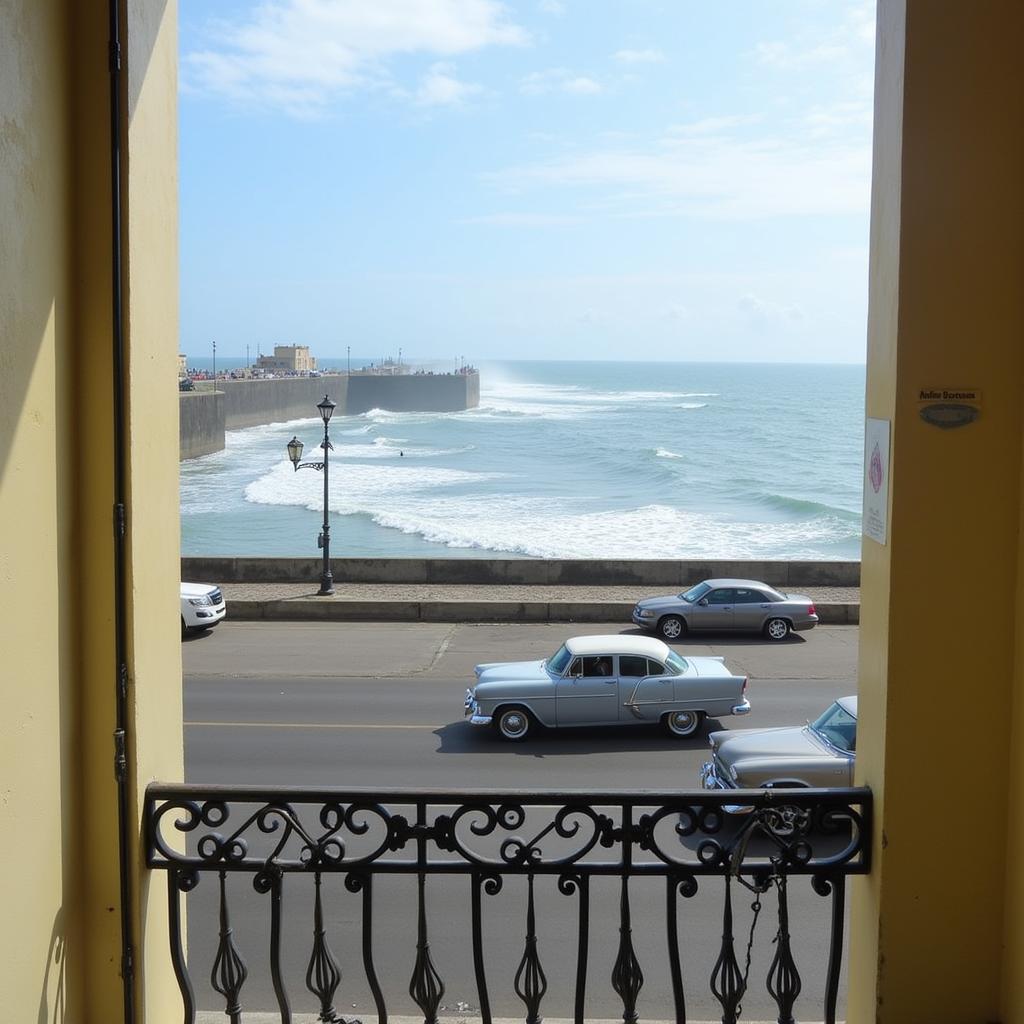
[513,724]
[683,724]
[776,629]
[672,627]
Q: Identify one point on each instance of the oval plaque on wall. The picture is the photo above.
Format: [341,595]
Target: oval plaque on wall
[949,415]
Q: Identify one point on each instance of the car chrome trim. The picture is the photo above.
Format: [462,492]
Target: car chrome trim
[828,743]
[741,709]
[477,719]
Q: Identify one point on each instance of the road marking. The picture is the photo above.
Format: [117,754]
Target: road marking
[308,725]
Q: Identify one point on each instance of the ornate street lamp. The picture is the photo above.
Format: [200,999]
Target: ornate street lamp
[326,409]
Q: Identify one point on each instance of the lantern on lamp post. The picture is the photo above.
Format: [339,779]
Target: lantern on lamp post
[326,409]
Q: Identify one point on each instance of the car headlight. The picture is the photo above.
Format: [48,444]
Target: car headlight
[199,602]
[646,613]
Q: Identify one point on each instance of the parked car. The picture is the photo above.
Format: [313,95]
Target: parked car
[186,384]
[741,605]
[605,680]
[202,606]
[820,753]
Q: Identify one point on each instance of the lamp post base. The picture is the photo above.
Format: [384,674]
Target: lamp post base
[326,586]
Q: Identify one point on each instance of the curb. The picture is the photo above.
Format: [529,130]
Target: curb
[341,610]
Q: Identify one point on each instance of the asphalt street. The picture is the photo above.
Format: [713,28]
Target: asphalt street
[380,705]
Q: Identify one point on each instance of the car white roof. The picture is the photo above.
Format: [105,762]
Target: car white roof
[647,646]
[848,704]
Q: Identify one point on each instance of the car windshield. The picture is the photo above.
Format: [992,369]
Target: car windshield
[695,593]
[558,662]
[837,727]
[675,665]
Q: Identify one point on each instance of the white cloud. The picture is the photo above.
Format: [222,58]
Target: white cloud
[676,313]
[841,45]
[639,56]
[720,175]
[516,219]
[440,87]
[540,83]
[300,55]
[765,312]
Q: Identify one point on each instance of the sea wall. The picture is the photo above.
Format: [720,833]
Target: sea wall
[205,414]
[249,403]
[200,423]
[554,571]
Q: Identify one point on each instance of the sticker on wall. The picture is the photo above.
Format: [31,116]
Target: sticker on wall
[876,479]
[948,408]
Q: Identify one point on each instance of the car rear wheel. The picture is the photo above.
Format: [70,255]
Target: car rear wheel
[671,627]
[776,629]
[513,724]
[683,724]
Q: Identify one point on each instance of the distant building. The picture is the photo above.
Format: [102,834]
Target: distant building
[182,366]
[288,357]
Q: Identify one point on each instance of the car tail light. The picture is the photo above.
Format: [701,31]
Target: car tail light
[743,692]
[811,611]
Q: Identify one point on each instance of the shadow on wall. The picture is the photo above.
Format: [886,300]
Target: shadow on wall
[52,999]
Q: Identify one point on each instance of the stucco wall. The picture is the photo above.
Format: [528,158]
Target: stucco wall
[38,562]
[947,259]
[60,892]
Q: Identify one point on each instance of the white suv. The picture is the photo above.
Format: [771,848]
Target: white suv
[202,606]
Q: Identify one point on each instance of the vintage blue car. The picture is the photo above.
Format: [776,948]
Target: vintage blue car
[605,680]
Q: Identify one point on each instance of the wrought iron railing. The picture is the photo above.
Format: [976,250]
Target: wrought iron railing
[571,844]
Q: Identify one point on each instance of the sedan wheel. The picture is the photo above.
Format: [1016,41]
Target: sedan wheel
[671,627]
[514,724]
[683,723]
[776,629]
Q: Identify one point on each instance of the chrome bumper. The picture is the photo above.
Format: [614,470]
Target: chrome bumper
[711,779]
[742,708]
[471,709]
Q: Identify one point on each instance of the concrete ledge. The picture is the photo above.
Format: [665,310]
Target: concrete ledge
[334,610]
[519,571]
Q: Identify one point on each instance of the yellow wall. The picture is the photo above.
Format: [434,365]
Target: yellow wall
[57,794]
[939,601]
[38,628]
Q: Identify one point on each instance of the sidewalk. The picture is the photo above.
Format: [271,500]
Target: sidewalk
[419,602]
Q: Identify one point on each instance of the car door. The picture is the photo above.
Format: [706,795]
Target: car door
[750,609]
[645,692]
[714,610]
[588,692]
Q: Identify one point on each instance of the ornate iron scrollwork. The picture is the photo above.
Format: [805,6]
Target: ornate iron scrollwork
[575,842]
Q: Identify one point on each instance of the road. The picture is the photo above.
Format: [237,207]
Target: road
[366,704]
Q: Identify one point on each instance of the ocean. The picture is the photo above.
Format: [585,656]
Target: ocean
[561,460]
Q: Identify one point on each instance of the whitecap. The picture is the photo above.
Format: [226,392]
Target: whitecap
[692,405]
[664,453]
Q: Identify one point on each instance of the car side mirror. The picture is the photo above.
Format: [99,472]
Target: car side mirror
[703,602]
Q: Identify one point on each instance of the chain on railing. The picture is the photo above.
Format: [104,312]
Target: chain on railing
[757,839]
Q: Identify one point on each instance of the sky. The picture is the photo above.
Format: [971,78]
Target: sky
[544,179]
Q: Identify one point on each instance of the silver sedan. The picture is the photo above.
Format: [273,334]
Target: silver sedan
[745,606]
